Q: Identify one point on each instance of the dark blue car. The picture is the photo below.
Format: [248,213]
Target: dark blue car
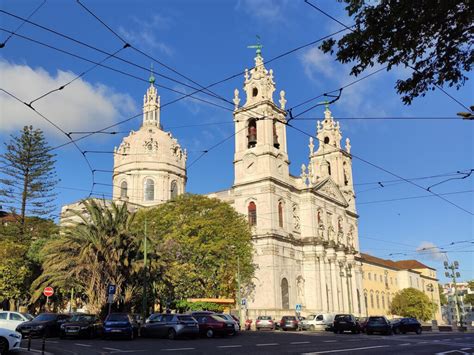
[120,325]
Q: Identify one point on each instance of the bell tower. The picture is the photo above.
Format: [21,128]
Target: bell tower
[151,105]
[260,130]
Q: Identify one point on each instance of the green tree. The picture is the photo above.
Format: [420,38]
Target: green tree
[28,177]
[469,297]
[97,251]
[431,37]
[411,302]
[15,272]
[443,300]
[195,246]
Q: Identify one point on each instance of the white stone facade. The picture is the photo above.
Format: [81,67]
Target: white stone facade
[305,231]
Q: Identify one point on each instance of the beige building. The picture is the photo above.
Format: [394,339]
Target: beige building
[382,279]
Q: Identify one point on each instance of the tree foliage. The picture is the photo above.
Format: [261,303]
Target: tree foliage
[196,245]
[14,270]
[97,251]
[433,38]
[411,302]
[443,300]
[28,177]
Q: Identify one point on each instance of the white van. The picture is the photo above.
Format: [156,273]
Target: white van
[317,321]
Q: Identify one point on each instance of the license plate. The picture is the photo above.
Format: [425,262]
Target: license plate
[71,330]
[116,330]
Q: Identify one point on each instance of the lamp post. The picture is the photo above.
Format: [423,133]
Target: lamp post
[451,273]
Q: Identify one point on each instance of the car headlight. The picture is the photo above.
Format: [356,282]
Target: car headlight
[62,326]
[39,326]
[15,335]
[85,327]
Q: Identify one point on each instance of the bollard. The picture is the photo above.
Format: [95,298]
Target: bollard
[43,345]
[29,342]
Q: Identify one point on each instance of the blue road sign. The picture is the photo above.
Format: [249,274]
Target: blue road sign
[299,307]
[243,302]
[111,290]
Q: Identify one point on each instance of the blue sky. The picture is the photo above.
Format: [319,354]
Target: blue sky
[207,41]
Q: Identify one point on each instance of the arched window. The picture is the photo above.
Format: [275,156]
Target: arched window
[173,189]
[285,295]
[370,276]
[344,170]
[123,189]
[378,300]
[276,144]
[358,302]
[280,214]
[366,302]
[252,213]
[149,190]
[383,301]
[252,133]
[372,300]
[329,168]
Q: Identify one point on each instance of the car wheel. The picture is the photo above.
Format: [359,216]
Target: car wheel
[389,332]
[210,333]
[336,331]
[257,329]
[418,331]
[396,331]
[4,346]
[369,332]
[312,328]
[171,334]
[132,335]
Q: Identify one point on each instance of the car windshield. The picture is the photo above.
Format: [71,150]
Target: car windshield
[311,317]
[28,316]
[82,318]
[290,318]
[264,318]
[218,318]
[46,317]
[117,318]
[377,319]
[344,317]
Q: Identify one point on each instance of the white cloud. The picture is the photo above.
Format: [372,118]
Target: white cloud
[78,107]
[144,34]
[430,251]
[266,10]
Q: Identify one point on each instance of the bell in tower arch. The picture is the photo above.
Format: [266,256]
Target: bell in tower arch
[276,144]
[252,133]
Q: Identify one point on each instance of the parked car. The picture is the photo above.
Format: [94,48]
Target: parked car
[345,323]
[44,325]
[211,325]
[82,325]
[405,325]
[120,324]
[288,323]
[378,325]
[319,321]
[9,340]
[230,318]
[264,322]
[362,323]
[170,326]
[11,320]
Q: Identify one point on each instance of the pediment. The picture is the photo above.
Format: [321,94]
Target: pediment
[328,189]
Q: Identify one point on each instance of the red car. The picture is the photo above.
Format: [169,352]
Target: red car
[211,325]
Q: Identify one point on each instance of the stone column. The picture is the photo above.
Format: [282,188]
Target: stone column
[321,277]
[342,285]
[352,284]
[357,284]
[331,256]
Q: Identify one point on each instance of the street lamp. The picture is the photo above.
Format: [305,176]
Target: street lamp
[451,273]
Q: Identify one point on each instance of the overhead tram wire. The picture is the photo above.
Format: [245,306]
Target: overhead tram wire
[4,43]
[108,53]
[59,129]
[148,55]
[350,28]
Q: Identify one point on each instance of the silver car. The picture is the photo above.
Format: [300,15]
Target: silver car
[170,326]
[264,322]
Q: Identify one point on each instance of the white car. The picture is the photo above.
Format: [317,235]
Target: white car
[11,320]
[9,340]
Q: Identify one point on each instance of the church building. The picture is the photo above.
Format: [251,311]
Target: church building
[304,228]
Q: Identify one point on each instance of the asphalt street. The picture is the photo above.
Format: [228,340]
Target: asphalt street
[269,343]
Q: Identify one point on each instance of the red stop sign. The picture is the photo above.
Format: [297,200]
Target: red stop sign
[48,291]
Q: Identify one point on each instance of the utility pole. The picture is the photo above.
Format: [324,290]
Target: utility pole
[145,280]
[239,297]
[453,275]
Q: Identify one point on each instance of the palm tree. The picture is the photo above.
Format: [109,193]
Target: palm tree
[97,251]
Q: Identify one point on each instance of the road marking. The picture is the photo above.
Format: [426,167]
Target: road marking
[300,342]
[447,339]
[329,341]
[86,345]
[229,346]
[423,342]
[466,349]
[267,344]
[113,349]
[178,349]
[405,344]
[344,350]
